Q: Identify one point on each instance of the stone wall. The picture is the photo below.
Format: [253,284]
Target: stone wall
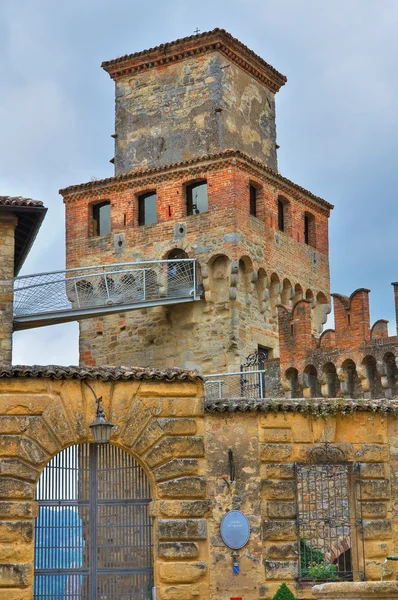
[8,223]
[184,452]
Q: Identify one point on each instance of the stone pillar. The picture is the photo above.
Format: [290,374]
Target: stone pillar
[8,223]
[395,286]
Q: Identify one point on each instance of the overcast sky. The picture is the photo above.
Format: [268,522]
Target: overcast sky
[337,117]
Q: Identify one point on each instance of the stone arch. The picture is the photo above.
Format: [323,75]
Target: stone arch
[330,381]
[370,378]
[246,278]
[262,290]
[88,478]
[311,386]
[275,289]
[156,420]
[349,380]
[389,379]
[219,278]
[298,293]
[291,383]
[287,293]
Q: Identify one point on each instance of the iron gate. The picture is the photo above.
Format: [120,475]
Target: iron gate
[93,533]
[329,518]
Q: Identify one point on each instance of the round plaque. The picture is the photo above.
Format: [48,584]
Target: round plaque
[235,529]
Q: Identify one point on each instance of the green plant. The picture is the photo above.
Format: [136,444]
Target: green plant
[325,571]
[284,593]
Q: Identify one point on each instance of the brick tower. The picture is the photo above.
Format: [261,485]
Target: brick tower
[196,176]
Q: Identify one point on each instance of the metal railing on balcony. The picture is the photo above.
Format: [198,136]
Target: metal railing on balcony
[242,384]
[74,294]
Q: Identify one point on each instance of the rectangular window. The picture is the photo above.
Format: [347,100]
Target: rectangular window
[281,215]
[102,218]
[329,544]
[306,229]
[253,200]
[147,214]
[197,201]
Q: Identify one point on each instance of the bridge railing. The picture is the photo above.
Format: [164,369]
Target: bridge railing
[241,384]
[91,289]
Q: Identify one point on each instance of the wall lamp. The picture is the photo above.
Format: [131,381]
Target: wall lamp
[101,428]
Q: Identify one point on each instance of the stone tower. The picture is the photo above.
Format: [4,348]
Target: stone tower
[196,176]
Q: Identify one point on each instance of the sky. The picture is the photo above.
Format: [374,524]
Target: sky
[337,118]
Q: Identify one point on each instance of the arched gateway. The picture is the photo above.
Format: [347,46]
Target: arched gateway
[93,534]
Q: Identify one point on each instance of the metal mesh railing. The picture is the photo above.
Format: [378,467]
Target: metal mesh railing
[242,384]
[86,288]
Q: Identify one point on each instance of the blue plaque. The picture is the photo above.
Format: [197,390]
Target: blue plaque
[235,529]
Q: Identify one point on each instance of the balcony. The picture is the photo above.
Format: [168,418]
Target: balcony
[75,294]
[242,385]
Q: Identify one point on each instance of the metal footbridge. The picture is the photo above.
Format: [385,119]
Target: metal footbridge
[75,294]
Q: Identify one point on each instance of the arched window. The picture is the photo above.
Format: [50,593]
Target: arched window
[197,201]
[101,218]
[93,532]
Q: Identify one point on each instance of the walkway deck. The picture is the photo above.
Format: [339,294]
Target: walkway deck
[75,294]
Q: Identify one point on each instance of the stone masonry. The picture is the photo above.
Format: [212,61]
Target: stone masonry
[8,223]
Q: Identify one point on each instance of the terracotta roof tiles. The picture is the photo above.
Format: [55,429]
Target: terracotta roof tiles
[18,201]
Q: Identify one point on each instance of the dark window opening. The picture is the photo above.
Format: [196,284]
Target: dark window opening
[102,218]
[263,354]
[281,215]
[253,200]
[197,201]
[309,229]
[147,209]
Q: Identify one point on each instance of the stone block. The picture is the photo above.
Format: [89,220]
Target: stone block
[283,471]
[182,426]
[281,570]
[378,549]
[279,530]
[185,508]
[275,452]
[178,550]
[371,453]
[282,490]
[168,388]
[375,489]
[373,470]
[149,437]
[182,529]
[181,572]
[276,435]
[374,510]
[281,510]
[377,529]
[15,489]
[175,447]
[281,551]
[18,510]
[14,575]
[183,487]
[16,553]
[15,467]
[176,467]
[181,592]
[176,407]
[16,531]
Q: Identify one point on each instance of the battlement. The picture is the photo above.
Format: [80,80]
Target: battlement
[355,358]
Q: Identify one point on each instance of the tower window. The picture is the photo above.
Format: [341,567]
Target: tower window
[309,229]
[102,218]
[281,215]
[197,201]
[147,208]
[253,200]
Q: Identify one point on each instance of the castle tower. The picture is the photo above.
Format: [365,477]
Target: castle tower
[196,176]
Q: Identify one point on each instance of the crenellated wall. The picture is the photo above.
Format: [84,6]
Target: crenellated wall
[356,359]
